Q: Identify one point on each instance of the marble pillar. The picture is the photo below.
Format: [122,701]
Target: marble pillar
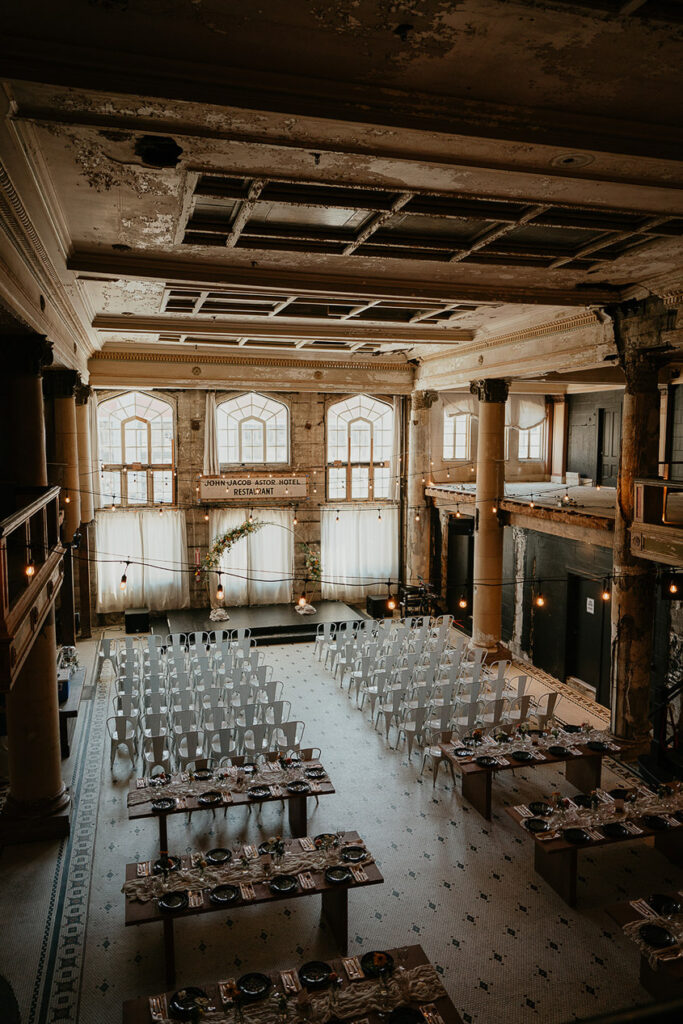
[417,513]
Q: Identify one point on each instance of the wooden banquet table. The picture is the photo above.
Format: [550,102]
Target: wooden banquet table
[236,797]
[666,982]
[334,899]
[583,770]
[556,860]
[438,1011]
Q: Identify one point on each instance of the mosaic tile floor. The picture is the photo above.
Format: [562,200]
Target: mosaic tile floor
[508,948]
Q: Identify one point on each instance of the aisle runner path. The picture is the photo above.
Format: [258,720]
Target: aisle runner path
[507,947]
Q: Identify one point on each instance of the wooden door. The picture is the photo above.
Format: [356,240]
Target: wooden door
[609,442]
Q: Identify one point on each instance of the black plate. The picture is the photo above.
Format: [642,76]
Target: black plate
[582,800]
[327,837]
[258,792]
[484,761]
[268,846]
[614,830]
[253,986]
[298,787]
[282,884]
[219,855]
[212,798]
[173,864]
[540,809]
[558,751]
[353,854]
[163,804]
[249,768]
[158,780]
[372,970]
[536,825]
[171,902]
[338,875]
[571,728]
[577,836]
[618,794]
[461,752]
[656,936]
[222,895]
[656,823]
[203,773]
[183,1003]
[597,745]
[405,1015]
[315,773]
[523,756]
[315,974]
[662,904]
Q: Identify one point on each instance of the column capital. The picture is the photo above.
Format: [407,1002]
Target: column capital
[424,399]
[26,353]
[61,383]
[83,393]
[639,327]
[494,389]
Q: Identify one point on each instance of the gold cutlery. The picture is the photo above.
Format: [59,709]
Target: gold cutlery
[196,898]
[140,783]
[359,873]
[158,1007]
[353,968]
[224,990]
[431,1014]
[307,844]
[250,852]
[247,891]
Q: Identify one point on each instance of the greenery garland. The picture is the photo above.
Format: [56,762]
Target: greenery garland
[212,559]
[312,563]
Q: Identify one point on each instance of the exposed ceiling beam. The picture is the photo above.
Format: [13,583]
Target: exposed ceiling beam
[498,232]
[286,282]
[609,239]
[378,221]
[244,212]
[238,327]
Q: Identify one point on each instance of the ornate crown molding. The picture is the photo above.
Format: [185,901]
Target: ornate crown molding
[113,355]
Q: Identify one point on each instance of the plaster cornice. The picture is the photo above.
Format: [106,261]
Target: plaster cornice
[113,355]
[577,322]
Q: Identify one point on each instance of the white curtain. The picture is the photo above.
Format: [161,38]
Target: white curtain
[359,553]
[211,463]
[524,411]
[455,402]
[259,568]
[156,546]
[94,452]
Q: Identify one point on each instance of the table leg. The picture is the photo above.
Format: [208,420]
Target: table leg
[671,844]
[584,773]
[335,910]
[297,816]
[476,789]
[163,834]
[559,871]
[64,736]
[169,951]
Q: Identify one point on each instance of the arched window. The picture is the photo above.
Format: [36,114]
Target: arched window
[359,449]
[252,430]
[135,433]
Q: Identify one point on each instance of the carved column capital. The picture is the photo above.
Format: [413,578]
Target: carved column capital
[61,383]
[83,393]
[494,389]
[424,399]
[26,353]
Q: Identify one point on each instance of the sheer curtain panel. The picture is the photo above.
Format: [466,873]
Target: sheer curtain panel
[159,542]
[359,553]
[258,569]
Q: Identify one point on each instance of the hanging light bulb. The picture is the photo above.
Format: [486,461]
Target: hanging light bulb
[531,503]
[605,590]
[494,509]
[448,473]
[251,516]
[206,517]
[295,520]
[67,499]
[302,602]
[124,578]
[161,511]
[30,569]
[220,593]
[379,514]
[673,586]
[462,603]
[458,513]
[417,516]
[391,600]
[337,517]
[540,600]
[565,497]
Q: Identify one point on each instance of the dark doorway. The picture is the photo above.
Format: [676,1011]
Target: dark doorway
[460,564]
[609,444]
[588,635]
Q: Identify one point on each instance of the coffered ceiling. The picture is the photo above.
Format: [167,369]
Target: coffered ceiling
[399,180]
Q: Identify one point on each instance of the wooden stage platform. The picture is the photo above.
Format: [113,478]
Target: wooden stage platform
[269,623]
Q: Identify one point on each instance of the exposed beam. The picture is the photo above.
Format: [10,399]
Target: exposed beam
[104,263]
[359,309]
[377,221]
[237,327]
[609,240]
[282,305]
[498,232]
[244,212]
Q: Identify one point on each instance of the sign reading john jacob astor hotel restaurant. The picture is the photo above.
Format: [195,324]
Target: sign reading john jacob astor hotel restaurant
[249,488]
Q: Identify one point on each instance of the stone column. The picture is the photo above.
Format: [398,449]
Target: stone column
[37,791]
[61,386]
[637,329]
[558,454]
[488,531]
[83,394]
[417,516]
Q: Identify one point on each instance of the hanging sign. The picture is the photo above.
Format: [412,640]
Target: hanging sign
[252,487]
[590,605]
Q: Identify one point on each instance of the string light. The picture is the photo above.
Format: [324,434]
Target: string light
[124,578]
[206,517]
[379,515]
[67,499]
[532,503]
[303,600]
[673,586]
[462,603]
[30,569]
[337,518]
[161,511]
[494,509]
[417,517]
[251,516]
[295,520]
[220,593]
[605,590]
[458,513]
[391,600]
[540,600]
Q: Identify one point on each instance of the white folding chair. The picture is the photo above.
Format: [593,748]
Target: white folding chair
[123,733]
[544,708]
[287,737]
[190,747]
[412,727]
[156,753]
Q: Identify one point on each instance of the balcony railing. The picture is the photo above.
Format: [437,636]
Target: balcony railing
[657,531]
[31,573]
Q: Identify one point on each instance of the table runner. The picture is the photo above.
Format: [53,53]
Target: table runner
[357,999]
[224,779]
